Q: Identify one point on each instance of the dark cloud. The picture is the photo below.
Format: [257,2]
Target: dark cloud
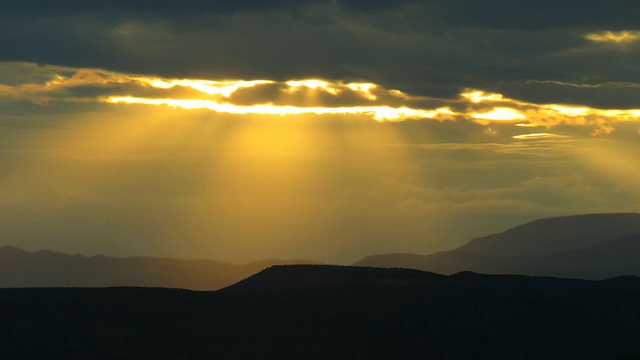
[169,8]
[542,14]
[434,48]
[617,96]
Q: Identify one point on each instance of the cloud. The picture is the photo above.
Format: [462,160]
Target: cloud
[120,8]
[302,97]
[508,14]
[537,136]
[425,48]
[628,85]
[492,13]
[500,114]
[618,37]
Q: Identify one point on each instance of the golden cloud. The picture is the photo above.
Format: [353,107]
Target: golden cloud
[487,107]
[302,97]
[618,37]
[500,114]
[379,113]
[538,136]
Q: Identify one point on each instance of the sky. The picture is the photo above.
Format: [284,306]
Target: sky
[325,130]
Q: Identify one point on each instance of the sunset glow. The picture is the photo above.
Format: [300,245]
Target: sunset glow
[615,37]
[477,96]
[224,88]
[380,113]
[335,88]
[537,136]
[365,99]
[500,114]
[323,130]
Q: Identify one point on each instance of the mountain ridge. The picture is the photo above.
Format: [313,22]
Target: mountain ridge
[310,276]
[575,231]
[462,316]
[606,253]
[46,268]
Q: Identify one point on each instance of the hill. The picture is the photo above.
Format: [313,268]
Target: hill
[331,312]
[586,246]
[553,235]
[322,276]
[19,268]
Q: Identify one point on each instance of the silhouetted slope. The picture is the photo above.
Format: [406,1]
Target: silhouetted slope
[314,276]
[447,262]
[19,268]
[614,258]
[601,246]
[558,234]
[309,313]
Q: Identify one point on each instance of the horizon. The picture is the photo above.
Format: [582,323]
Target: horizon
[294,261]
[317,130]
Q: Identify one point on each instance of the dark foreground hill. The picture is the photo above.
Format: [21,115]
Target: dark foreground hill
[20,268]
[597,246]
[325,312]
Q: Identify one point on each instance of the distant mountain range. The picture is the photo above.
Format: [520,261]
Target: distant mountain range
[331,312]
[20,268]
[594,246]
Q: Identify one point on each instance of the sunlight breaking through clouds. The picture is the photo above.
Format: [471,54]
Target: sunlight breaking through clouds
[500,114]
[496,107]
[618,37]
[363,89]
[224,88]
[298,97]
[477,96]
[380,113]
[538,136]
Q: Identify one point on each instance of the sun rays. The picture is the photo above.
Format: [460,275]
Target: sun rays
[271,99]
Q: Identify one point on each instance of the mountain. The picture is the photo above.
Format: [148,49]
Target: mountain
[558,234]
[613,258]
[321,276]
[329,312]
[19,268]
[595,246]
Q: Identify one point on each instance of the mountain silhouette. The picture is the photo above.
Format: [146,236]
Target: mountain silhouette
[596,246]
[331,312]
[558,234]
[20,268]
[320,276]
